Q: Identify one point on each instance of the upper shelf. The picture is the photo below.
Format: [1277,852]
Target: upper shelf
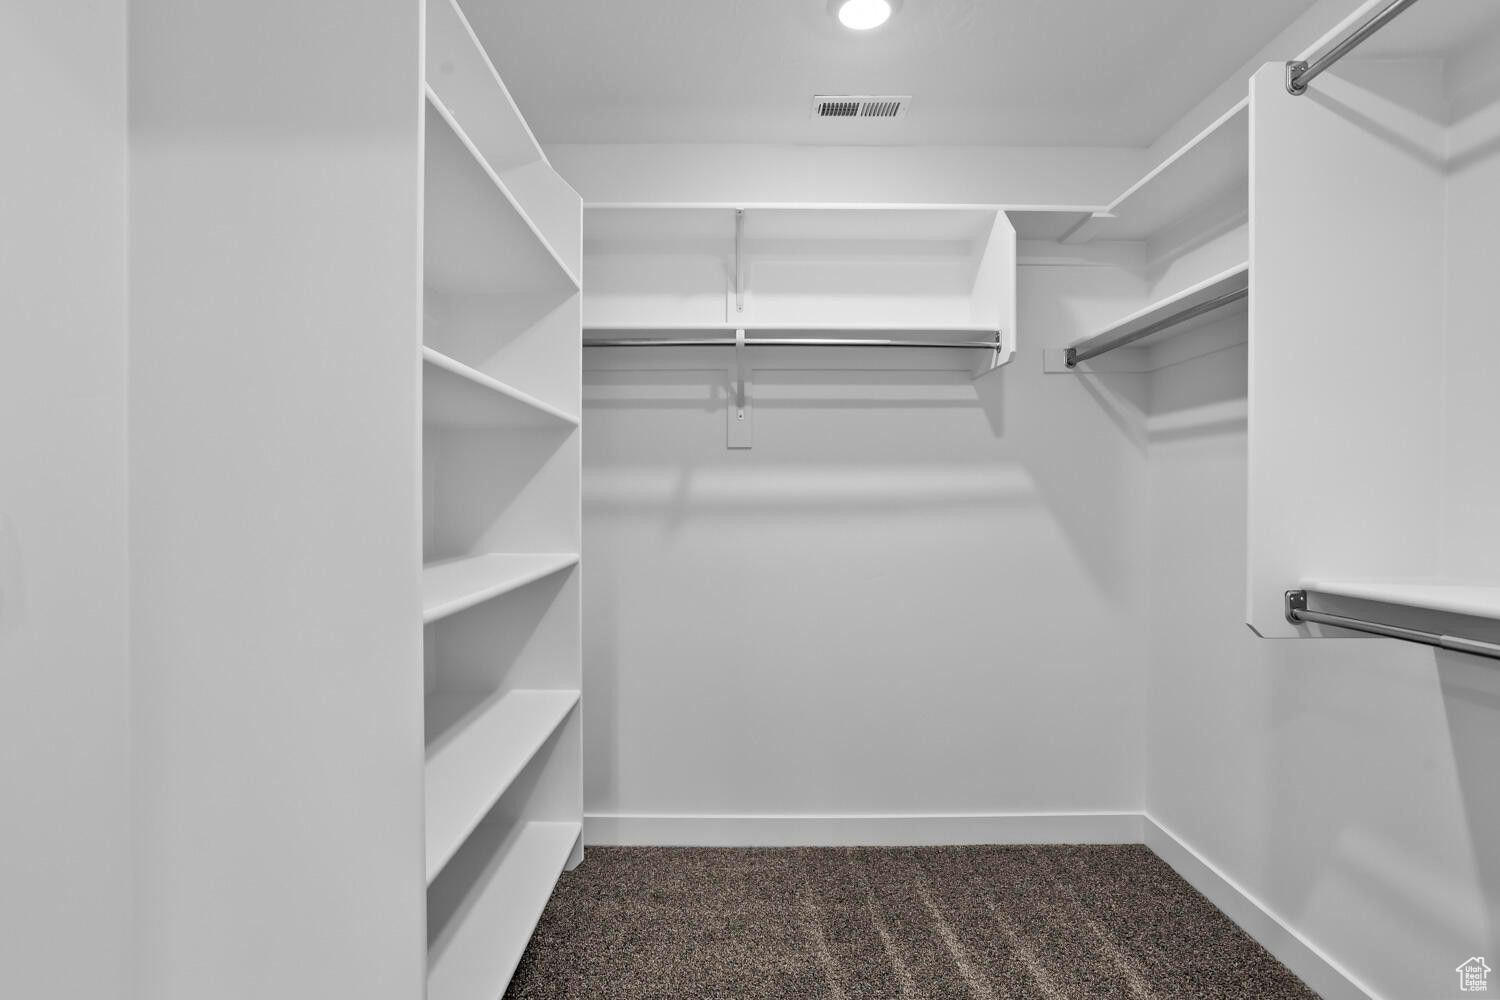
[455,395]
[1206,182]
[460,73]
[462,81]
[1211,171]
[477,237]
[856,269]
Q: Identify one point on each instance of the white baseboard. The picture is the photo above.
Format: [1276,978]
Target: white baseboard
[856,830]
[1315,968]
[1311,965]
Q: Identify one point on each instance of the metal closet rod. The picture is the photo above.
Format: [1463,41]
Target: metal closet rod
[1300,74]
[966,345]
[1298,614]
[1075,355]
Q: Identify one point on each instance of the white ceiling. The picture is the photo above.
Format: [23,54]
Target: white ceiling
[1001,72]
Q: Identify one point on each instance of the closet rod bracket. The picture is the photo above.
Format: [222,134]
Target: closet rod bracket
[1294,84]
[1302,72]
[740,430]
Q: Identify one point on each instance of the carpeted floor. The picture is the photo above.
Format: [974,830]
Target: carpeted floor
[945,923]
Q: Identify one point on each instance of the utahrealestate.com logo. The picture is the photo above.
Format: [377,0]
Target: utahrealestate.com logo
[1473,976]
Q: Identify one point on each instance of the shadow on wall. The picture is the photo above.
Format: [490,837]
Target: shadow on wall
[1471,699]
[1042,447]
[1346,783]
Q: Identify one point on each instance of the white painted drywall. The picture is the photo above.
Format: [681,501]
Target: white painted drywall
[1471,546]
[1291,43]
[957,175]
[915,595]
[275,307]
[64,657]
[1346,784]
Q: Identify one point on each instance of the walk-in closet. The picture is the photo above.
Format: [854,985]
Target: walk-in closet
[815,500]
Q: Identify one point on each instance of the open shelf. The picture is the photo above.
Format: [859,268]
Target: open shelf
[1449,598]
[460,72]
[465,83]
[476,950]
[475,752]
[452,585]
[477,237]
[455,395]
[1211,172]
[1151,352]
[849,269]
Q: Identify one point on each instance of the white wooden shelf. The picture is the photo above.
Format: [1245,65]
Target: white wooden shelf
[477,237]
[847,268]
[1449,598]
[1211,171]
[502,256]
[461,75]
[1170,345]
[472,954]
[460,72]
[478,750]
[452,585]
[455,395]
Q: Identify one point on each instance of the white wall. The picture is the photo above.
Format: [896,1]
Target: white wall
[1292,42]
[1345,784]
[959,175]
[275,530]
[64,668]
[915,596]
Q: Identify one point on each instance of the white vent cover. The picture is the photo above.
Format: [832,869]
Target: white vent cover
[859,106]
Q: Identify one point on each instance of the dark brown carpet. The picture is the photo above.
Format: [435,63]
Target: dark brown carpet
[946,923]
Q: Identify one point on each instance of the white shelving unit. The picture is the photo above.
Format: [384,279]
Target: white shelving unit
[1372,401]
[501,390]
[1190,216]
[836,270]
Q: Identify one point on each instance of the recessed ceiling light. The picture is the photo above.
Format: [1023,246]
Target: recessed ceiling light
[862,15]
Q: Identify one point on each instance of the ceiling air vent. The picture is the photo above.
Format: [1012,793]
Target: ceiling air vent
[845,106]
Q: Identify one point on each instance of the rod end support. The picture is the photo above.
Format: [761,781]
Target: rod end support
[1294,84]
[1295,602]
[1070,357]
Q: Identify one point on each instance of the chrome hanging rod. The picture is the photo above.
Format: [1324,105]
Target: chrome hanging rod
[966,345]
[1073,356]
[1297,613]
[1300,73]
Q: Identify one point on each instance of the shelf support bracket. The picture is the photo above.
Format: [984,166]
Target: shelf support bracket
[741,383]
